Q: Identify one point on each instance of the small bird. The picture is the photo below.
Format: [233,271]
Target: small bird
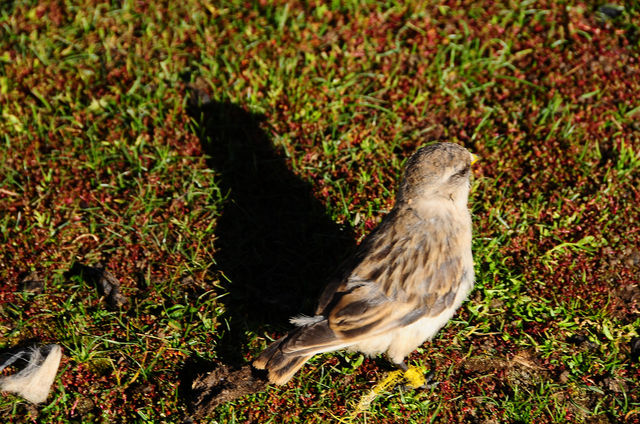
[404,281]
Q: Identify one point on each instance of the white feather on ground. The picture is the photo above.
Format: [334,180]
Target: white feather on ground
[33,382]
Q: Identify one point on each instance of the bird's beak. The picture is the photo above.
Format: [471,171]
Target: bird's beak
[474,158]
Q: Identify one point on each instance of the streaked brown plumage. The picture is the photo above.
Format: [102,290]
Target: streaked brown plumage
[405,280]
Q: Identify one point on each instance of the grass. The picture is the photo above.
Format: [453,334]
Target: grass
[219,158]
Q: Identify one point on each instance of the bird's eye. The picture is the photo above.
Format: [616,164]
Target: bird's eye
[462,173]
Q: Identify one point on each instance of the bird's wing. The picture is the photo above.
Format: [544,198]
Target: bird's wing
[407,269]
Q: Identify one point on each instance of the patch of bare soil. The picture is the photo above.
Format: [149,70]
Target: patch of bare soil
[223,384]
[625,302]
[106,283]
[521,370]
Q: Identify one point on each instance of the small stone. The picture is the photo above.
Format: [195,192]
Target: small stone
[496,303]
[635,349]
[614,385]
[610,11]
[33,283]
[632,257]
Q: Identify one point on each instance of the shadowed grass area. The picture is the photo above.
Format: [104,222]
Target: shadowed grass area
[220,158]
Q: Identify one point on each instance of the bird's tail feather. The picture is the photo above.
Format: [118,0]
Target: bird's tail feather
[284,367]
[284,357]
[281,366]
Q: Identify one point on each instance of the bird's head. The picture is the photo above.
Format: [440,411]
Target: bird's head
[437,171]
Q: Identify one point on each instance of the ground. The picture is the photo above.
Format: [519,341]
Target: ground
[178,178]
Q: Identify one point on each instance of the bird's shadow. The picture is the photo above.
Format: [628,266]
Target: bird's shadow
[275,245]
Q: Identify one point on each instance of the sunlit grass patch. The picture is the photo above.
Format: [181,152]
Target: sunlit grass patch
[219,158]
